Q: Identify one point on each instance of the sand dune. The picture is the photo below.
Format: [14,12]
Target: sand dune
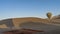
[50,27]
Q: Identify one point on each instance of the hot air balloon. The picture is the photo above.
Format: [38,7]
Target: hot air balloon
[49,15]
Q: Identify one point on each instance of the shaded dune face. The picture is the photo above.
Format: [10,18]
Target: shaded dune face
[38,26]
[7,22]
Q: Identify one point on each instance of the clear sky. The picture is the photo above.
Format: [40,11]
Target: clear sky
[28,8]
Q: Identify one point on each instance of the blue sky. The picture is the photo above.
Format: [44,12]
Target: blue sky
[28,8]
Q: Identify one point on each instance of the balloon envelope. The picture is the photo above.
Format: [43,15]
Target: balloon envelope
[49,15]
